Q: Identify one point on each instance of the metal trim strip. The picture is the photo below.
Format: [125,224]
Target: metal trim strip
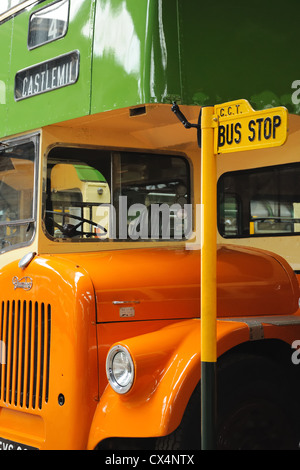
[256,324]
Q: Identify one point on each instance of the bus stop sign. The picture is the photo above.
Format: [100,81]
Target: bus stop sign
[240,128]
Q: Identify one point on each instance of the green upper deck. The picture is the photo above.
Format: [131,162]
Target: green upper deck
[131,52]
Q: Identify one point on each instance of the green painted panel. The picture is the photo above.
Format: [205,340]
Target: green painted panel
[60,104]
[120,43]
[151,51]
[131,62]
[196,52]
[236,49]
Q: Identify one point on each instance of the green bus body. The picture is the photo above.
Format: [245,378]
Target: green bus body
[134,52]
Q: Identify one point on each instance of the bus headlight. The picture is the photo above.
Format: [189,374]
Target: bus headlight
[120,369]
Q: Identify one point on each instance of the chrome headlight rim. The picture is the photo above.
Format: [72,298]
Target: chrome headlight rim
[113,381]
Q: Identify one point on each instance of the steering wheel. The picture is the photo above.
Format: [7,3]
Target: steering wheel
[70,230]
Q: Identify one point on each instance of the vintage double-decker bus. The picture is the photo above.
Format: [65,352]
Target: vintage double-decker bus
[99,225]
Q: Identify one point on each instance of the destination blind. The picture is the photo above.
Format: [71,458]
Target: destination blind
[47,76]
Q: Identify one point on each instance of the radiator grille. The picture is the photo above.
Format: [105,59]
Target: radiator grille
[25,331]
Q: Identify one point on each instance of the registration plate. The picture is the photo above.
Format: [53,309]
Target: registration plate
[6,444]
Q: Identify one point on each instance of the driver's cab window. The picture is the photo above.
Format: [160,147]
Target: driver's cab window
[97,195]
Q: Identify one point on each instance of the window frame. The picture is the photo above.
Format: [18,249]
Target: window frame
[35,139]
[113,153]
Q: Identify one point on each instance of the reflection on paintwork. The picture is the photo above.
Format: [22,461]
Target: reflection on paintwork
[75,8]
[163,55]
[74,15]
[115,36]
[2,92]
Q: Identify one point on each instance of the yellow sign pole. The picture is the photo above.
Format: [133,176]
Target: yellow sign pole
[225,128]
[228,127]
[208,280]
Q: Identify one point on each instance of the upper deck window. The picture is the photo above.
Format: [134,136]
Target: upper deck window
[99,195]
[260,202]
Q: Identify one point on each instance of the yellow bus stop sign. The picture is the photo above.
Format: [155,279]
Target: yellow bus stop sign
[240,128]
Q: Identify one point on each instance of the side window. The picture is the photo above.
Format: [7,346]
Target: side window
[17,193]
[259,202]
